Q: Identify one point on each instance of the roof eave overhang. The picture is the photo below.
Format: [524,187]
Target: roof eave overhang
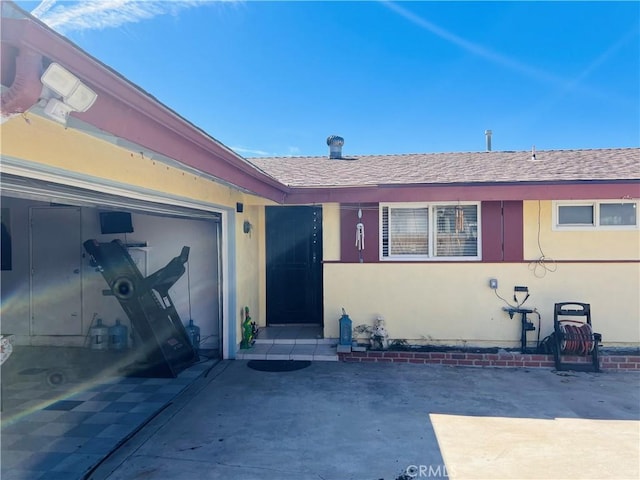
[567,190]
[124,110]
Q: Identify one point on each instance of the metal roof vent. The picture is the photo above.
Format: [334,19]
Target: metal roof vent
[488,135]
[335,146]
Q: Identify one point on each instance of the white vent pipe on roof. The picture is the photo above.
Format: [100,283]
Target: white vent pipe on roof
[335,146]
[488,135]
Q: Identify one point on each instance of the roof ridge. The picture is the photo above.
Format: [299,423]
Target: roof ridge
[601,164]
[478,152]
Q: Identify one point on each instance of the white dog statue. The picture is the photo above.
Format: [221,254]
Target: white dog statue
[379,337]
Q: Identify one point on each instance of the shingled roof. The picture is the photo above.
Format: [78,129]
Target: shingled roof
[552,166]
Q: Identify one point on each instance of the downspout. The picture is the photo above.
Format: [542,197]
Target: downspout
[26,87]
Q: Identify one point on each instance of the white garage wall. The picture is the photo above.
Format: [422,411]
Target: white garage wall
[164,236]
[14,285]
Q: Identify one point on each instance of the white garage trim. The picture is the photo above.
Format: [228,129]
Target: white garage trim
[28,180]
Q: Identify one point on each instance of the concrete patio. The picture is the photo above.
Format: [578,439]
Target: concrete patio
[340,421]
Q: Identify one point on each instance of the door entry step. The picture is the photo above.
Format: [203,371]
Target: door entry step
[323,349]
[296,341]
[291,333]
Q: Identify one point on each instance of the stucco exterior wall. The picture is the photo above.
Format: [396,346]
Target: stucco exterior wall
[331,232]
[621,244]
[452,304]
[250,266]
[48,143]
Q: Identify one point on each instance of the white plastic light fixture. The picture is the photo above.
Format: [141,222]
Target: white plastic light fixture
[58,110]
[60,80]
[75,94]
[81,98]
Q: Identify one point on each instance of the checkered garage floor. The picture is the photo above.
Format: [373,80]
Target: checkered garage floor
[60,422]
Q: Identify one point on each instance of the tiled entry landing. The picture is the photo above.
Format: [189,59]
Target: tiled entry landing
[291,342]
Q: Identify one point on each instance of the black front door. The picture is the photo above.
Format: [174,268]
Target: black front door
[294,265]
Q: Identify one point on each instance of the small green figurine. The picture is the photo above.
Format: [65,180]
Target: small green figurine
[248,329]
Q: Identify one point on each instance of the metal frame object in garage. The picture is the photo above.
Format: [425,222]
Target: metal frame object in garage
[50,189]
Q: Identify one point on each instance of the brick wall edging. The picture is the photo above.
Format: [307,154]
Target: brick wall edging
[533,360]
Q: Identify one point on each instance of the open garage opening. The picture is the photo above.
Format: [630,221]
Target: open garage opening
[54,298]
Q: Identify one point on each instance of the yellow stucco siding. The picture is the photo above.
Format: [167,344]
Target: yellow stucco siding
[453,304]
[331,232]
[622,244]
[48,143]
[249,265]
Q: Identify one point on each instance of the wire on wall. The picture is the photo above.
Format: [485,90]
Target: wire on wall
[503,299]
[543,264]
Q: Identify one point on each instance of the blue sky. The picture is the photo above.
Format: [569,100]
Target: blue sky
[277,78]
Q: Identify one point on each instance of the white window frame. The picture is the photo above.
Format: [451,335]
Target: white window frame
[431,257]
[555,215]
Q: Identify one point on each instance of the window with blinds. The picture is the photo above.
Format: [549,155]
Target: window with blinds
[429,231]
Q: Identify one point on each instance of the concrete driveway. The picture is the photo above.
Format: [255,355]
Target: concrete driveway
[339,421]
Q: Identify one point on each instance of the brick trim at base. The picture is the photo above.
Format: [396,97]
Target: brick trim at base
[607,362]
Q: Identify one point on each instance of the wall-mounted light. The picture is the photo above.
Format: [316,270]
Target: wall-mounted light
[57,110]
[246,226]
[74,95]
